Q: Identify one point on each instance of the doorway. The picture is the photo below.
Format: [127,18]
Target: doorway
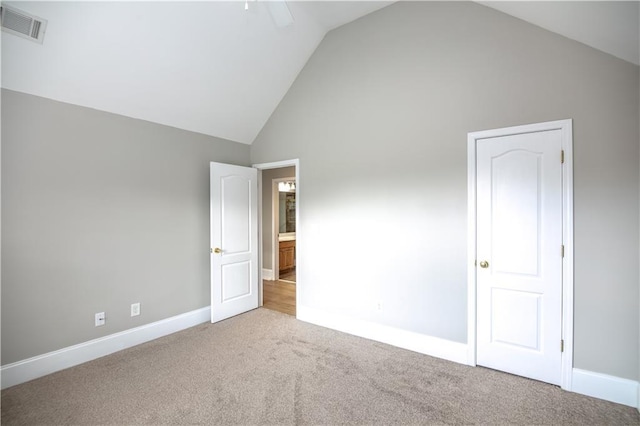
[279,235]
[521,250]
[283,205]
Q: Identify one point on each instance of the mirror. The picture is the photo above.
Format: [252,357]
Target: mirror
[287,212]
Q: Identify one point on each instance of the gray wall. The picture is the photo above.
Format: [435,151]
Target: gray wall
[99,211]
[379,118]
[267,212]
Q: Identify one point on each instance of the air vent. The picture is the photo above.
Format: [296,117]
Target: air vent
[22,24]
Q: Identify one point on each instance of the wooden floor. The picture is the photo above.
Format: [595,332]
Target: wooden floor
[279,296]
[289,276]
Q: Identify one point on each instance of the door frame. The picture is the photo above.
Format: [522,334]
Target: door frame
[275,216]
[566,129]
[278,165]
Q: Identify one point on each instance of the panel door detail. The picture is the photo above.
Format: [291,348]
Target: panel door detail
[519,251]
[234,240]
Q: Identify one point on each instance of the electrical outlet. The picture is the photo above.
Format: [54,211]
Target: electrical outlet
[100,319]
[135,309]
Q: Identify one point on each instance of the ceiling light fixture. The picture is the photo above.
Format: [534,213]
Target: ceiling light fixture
[287,186]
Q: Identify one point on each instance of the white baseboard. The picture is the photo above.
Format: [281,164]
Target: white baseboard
[603,386]
[428,345]
[267,274]
[41,365]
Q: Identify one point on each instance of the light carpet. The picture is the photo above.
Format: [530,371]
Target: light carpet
[265,367]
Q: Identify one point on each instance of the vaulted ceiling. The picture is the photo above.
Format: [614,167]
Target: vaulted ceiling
[218,69]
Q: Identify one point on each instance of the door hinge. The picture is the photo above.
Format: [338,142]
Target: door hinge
[561,345]
[562,156]
[562,250]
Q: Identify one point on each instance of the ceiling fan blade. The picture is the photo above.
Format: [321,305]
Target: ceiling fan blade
[280,13]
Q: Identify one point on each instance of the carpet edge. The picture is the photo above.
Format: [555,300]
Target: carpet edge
[597,385]
[42,365]
[427,345]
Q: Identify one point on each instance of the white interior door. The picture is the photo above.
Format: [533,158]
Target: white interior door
[234,240]
[519,254]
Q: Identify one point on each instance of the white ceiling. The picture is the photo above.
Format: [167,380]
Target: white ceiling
[214,68]
[208,67]
[610,26]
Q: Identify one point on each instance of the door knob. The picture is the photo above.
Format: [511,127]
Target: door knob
[484,264]
[217,250]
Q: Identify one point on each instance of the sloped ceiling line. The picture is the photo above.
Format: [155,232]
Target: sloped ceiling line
[218,69]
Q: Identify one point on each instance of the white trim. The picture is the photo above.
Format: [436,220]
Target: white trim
[41,365]
[260,254]
[471,250]
[565,126]
[277,165]
[275,218]
[267,274]
[428,345]
[603,386]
